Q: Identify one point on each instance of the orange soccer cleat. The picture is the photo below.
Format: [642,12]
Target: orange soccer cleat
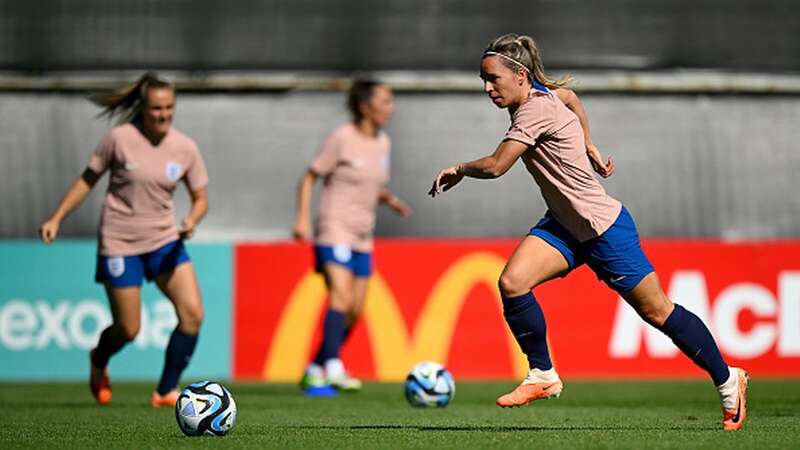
[539,385]
[733,419]
[99,383]
[167,400]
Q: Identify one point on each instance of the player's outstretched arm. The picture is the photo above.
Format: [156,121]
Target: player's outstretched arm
[302,223]
[571,101]
[391,200]
[76,193]
[492,166]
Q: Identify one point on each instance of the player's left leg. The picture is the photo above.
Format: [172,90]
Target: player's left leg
[693,338]
[617,258]
[182,289]
[362,271]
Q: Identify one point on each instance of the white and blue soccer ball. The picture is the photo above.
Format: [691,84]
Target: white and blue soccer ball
[429,384]
[205,407]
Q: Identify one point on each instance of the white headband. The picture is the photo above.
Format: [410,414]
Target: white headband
[508,58]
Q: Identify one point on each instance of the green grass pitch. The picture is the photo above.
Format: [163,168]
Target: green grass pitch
[636,415]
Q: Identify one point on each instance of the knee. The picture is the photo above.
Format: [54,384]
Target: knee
[127,331]
[512,285]
[656,313]
[353,315]
[342,301]
[192,319]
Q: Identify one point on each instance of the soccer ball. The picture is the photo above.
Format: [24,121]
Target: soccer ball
[429,384]
[205,407]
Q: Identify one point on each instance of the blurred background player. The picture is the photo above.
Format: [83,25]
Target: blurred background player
[354,165]
[138,238]
[583,224]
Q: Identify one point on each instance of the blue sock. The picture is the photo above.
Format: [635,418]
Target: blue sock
[348,331]
[332,338]
[179,351]
[692,337]
[526,320]
[108,344]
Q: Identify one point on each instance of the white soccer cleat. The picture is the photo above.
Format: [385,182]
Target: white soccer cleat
[345,383]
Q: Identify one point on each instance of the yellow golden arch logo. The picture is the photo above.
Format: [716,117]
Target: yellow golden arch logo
[394,351]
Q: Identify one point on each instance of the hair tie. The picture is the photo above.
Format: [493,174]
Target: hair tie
[508,58]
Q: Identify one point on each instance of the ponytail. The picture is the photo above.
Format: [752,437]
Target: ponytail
[521,52]
[128,101]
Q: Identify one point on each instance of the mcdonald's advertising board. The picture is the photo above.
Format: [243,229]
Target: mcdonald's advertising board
[438,300]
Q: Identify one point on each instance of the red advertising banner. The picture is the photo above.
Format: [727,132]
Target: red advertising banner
[438,300]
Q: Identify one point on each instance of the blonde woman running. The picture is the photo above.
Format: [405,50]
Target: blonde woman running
[583,224]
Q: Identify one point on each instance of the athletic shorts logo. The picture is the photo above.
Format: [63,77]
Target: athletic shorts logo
[173,171]
[116,266]
[342,253]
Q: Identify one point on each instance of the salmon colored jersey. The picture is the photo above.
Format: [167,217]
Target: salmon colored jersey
[138,213]
[355,168]
[556,157]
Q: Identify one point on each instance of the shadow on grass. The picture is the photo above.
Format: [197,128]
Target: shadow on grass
[78,404]
[503,428]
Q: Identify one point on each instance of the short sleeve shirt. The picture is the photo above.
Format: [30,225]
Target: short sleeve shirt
[355,169]
[138,211]
[557,160]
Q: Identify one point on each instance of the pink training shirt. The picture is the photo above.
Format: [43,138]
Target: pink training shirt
[355,168]
[138,213]
[558,162]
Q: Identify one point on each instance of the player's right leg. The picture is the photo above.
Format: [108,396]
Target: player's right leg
[336,374]
[533,262]
[339,280]
[122,277]
[125,309]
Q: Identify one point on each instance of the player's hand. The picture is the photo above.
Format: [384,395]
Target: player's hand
[446,179]
[604,169]
[301,231]
[400,207]
[48,231]
[187,228]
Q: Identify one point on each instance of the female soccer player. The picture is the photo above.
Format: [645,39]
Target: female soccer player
[138,238]
[583,225]
[354,164]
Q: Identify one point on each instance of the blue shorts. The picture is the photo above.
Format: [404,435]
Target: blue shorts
[128,271]
[616,256]
[360,263]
